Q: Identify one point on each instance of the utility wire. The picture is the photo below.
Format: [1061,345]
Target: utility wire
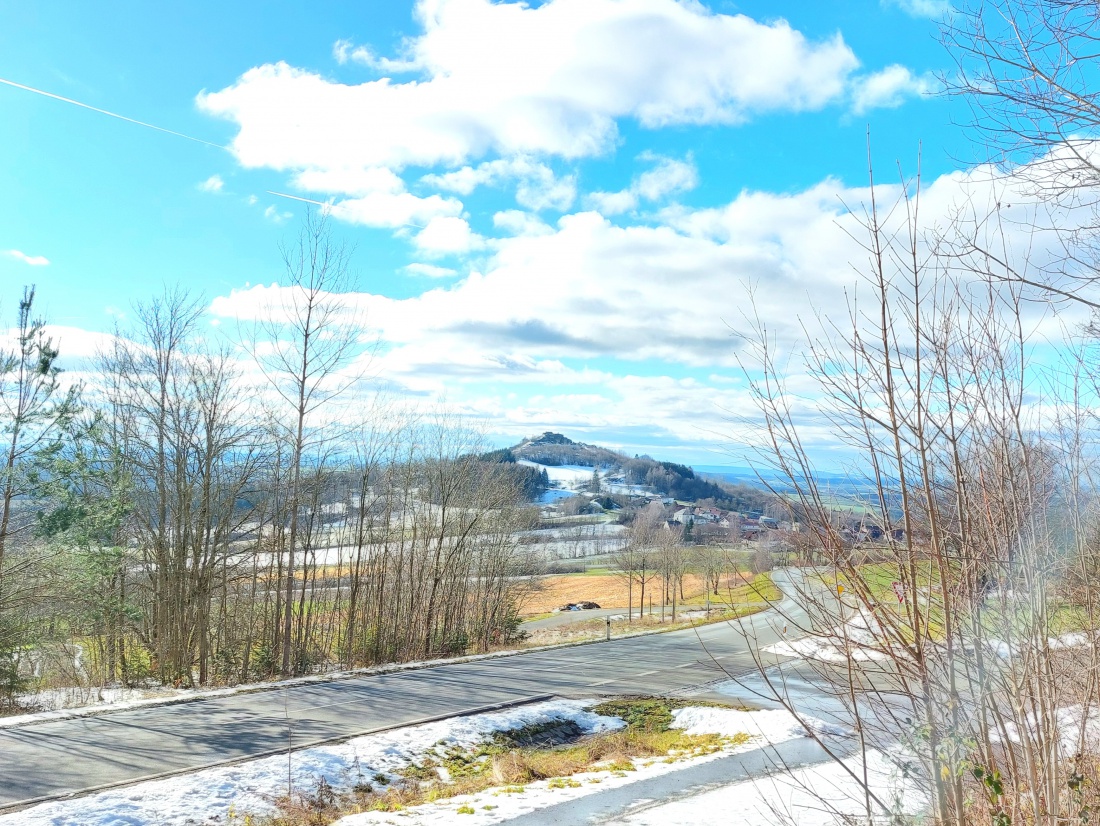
[106,112]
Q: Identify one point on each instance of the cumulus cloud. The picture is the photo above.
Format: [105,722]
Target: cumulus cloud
[668,177]
[889,88]
[512,79]
[518,222]
[537,185]
[380,198]
[922,8]
[274,214]
[344,51]
[677,291]
[639,297]
[32,260]
[447,235]
[429,270]
[212,184]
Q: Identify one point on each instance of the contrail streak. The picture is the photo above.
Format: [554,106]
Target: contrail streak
[105,112]
[326,204]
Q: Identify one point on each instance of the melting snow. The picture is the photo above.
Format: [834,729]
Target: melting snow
[210,795]
[498,805]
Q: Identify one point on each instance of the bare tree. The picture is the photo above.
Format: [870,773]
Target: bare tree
[305,347]
[943,632]
[1024,67]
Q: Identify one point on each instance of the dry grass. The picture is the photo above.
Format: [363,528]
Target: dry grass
[609,591]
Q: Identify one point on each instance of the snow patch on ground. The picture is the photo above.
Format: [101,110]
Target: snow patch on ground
[500,804]
[820,795]
[564,475]
[856,640]
[1007,650]
[208,796]
[58,699]
[1073,737]
[767,726]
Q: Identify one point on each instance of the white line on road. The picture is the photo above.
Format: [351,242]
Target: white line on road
[604,682]
[647,673]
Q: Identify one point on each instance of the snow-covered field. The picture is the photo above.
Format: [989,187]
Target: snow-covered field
[575,541]
[565,476]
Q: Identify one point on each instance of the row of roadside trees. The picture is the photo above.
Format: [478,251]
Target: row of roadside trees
[203,511]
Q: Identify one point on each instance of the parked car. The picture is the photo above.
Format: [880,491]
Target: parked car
[577,606]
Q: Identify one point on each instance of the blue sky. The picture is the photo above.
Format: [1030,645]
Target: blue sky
[557,209]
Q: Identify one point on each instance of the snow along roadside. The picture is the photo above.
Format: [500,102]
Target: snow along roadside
[500,804]
[216,795]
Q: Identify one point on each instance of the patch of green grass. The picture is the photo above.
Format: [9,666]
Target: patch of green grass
[536,617]
[760,589]
[649,714]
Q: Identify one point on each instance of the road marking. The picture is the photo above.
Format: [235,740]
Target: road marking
[647,673]
[604,682]
[687,665]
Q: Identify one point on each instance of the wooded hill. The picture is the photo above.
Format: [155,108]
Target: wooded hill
[667,478]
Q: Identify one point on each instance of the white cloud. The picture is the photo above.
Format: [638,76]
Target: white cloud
[447,235]
[383,209]
[511,79]
[889,88]
[212,184]
[429,270]
[380,197]
[344,51]
[351,180]
[518,222]
[537,186]
[922,8]
[553,296]
[668,177]
[613,203]
[32,260]
[677,291]
[272,213]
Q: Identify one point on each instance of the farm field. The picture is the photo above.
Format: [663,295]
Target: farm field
[611,591]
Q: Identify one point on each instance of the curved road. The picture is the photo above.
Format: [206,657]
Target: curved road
[66,757]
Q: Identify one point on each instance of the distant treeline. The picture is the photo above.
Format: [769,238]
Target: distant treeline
[531,481]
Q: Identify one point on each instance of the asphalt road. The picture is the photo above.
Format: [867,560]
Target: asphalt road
[71,756]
